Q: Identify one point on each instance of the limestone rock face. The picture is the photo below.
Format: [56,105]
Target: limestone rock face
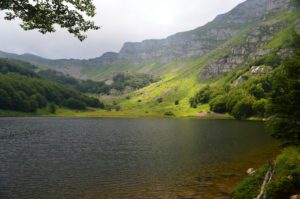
[250,48]
[190,44]
[259,70]
[196,42]
[278,5]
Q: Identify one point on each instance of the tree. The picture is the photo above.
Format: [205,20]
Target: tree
[74,104]
[259,107]
[218,104]
[44,14]
[243,109]
[4,99]
[285,123]
[52,108]
[284,103]
[204,95]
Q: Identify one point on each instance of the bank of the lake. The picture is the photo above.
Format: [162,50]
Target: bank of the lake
[284,179]
[100,113]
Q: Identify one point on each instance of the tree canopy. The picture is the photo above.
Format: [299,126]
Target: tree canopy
[44,14]
[284,104]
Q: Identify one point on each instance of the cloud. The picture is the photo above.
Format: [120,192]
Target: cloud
[121,21]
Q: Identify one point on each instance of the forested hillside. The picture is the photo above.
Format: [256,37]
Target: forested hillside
[21,89]
[225,67]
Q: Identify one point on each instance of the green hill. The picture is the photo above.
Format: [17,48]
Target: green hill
[237,51]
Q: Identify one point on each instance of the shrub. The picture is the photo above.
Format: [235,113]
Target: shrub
[273,60]
[94,102]
[234,97]
[286,180]
[193,102]
[257,91]
[41,100]
[160,100]
[218,104]
[74,104]
[4,99]
[52,108]
[169,113]
[118,108]
[203,96]
[249,188]
[259,107]
[243,109]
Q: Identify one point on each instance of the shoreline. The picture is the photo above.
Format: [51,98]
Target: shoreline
[120,114]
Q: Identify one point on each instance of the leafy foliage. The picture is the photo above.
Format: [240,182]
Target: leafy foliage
[285,181]
[74,104]
[43,15]
[249,187]
[14,66]
[27,94]
[284,104]
[120,82]
[135,81]
[246,99]
[52,108]
[169,113]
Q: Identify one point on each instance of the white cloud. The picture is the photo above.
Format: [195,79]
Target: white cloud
[121,21]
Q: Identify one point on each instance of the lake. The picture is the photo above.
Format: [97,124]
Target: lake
[127,158]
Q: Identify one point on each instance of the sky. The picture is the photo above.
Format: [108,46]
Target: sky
[121,21]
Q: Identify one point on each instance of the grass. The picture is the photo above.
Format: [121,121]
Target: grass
[285,182]
[98,113]
[9,113]
[180,79]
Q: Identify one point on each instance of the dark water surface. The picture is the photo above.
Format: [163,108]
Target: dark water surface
[127,158]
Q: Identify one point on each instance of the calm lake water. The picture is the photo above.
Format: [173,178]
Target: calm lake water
[127,158]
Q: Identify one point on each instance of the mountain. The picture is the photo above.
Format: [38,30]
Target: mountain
[184,45]
[222,52]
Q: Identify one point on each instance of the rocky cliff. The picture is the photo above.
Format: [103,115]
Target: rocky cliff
[196,42]
[190,44]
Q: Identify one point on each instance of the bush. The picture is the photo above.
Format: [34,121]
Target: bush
[193,102]
[41,100]
[93,102]
[259,107]
[4,99]
[286,180]
[257,91]
[234,97]
[160,100]
[74,104]
[243,109]
[118,108]
[273,60]
[204,95]
[176,102]
[218,104]
[169,113]
[249,188]
[52,108]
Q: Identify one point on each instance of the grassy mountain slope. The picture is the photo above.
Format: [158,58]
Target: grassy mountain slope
[229,45]
[183,84]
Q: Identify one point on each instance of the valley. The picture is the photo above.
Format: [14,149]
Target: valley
[222,54]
